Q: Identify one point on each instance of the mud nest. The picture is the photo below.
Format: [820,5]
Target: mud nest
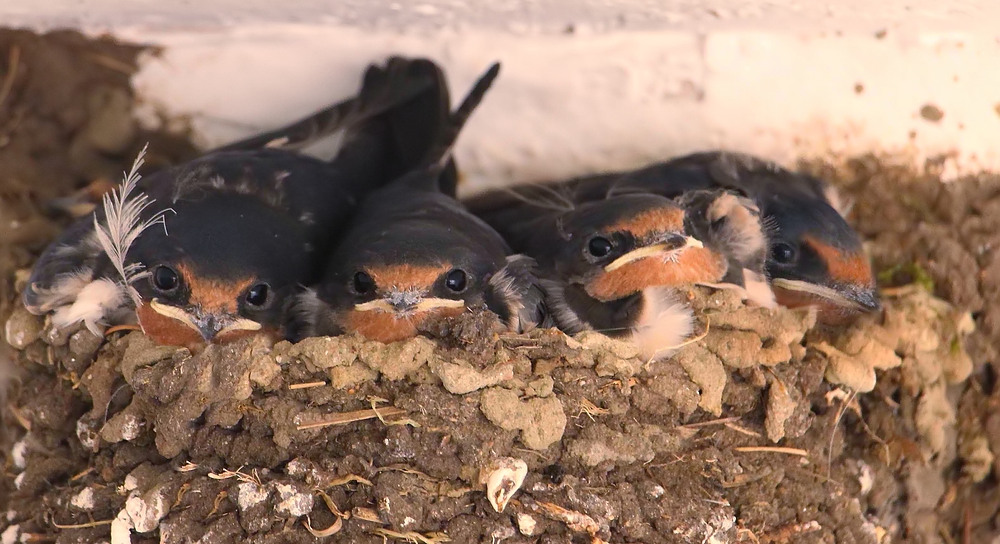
[766,428]
[284,442]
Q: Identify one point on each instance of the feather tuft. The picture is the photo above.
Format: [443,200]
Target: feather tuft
[663,325]
[92,306]
[123,225]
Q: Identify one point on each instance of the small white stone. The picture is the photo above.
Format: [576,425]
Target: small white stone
[84,500]
[131,427]
[121,529]
[131,483]
[866,478]
[526,524]
[145,514]
[249,494]
[19,480]
[293,503]
[10,535]
[503,479]
[19,453]
[86,435]
[295,468]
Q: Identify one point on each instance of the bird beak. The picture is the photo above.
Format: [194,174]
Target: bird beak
[407,302]
[208,325]
[398,315]
[850,298]
[664,249]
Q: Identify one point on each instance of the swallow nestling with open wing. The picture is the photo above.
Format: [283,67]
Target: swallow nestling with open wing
[613,265]
[216,248]
[413,253]
[814,258]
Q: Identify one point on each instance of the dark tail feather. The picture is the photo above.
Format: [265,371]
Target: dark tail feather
[400,121]
[382,90]
[420,133]
[448,179]
[439,152]
[412,128]
[461,115]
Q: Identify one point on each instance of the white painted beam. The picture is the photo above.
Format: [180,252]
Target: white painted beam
[589,85]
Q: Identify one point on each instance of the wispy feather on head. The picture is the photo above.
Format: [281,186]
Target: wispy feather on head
[122,225]
[545,197]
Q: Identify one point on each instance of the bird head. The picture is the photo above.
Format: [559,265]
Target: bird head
[621,245]
[406,263]
[815,258]
[226,267]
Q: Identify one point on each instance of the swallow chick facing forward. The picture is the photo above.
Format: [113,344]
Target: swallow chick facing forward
[413,254]
[613,265]
[243,227]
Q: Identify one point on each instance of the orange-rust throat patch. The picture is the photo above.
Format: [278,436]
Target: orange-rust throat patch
[170,332]
[166,331]
[828,312]
[694,265]
[391,327]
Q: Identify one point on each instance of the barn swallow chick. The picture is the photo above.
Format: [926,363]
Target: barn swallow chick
[217,248]
[413,254]
[814,256]
[613,265]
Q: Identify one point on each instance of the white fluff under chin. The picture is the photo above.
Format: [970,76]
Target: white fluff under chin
[92,305]
[758,290]
[664,323]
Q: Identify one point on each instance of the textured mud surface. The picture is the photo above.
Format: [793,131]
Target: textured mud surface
[65,123]
[945,237]
[766,429]
[254,440]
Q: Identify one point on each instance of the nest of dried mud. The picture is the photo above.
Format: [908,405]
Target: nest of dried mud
[367,440]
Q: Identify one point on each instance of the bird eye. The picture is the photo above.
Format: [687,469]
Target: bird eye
[257,295]
[783,253]
[599,246]
[456,280]
[363,283]
[165,278]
